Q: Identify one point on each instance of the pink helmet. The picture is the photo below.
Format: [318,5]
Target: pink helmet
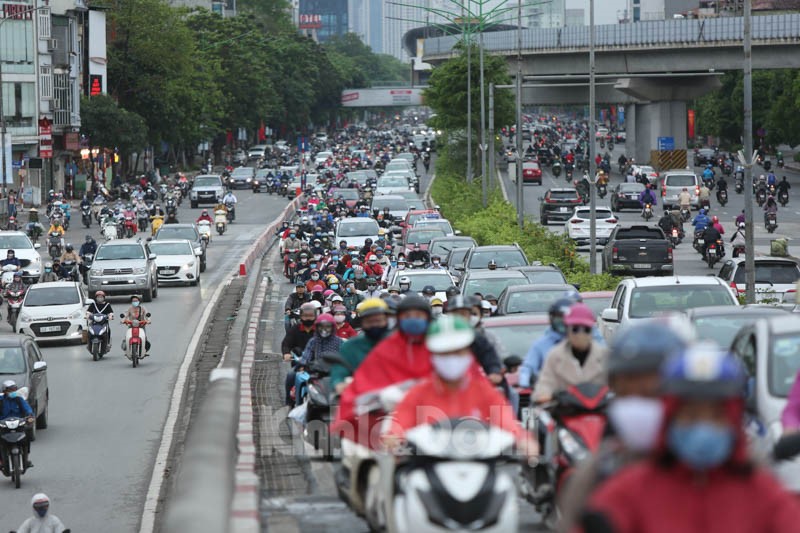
[325,318]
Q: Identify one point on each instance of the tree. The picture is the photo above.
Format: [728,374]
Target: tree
[376,67]
[109,126]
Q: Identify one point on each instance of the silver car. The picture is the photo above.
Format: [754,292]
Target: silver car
[206,189]
[124,267]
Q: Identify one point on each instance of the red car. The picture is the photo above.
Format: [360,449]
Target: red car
[531,173]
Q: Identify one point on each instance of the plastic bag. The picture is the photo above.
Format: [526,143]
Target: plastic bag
[779,248]
[298,414]
[124,345]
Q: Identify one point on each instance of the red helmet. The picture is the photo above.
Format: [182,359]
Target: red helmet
[715,219]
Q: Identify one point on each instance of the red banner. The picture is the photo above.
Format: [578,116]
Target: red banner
[45,138]
[690,122]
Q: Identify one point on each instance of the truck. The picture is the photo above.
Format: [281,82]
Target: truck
[639,251]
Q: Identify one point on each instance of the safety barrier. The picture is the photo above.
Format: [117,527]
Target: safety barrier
[668,159]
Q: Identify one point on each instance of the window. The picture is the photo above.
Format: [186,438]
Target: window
[44,23]
[52,296]
[46,81]
[12,360]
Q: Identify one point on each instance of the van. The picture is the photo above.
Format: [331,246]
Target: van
[674,182]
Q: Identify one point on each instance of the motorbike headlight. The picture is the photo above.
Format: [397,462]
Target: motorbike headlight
[139,270]
[11,424]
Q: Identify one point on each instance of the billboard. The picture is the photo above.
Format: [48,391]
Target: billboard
[381,97]
[310,22]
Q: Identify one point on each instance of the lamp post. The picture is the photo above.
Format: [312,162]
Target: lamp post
[749,244]
[592,164]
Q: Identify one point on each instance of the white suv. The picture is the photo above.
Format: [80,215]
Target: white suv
[674,182]
[776,278]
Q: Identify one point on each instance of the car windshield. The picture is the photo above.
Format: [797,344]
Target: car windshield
[440,281]
[783,363]
[770,272]
[517,339]
[12,360]
[600,214]
[14,242]
[207,182]
[441,224]
[360,177]
[491,285]
[394,204]
[680,180]
[650,301]
[52,296]
[545,276]
[412,219]
[563,195]
[347,194]
[506,258]
[721,329]
[538,301]
[244,171]
[420,236]
[171,248]
[443,248]
[119,252]
[392,181]
[366,228]
[631,187]
[167,232]
[597,305]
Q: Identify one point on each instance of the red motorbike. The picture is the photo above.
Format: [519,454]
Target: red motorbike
[130,228]
[571,428]
[14,301]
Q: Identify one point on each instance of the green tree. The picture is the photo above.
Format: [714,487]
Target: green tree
[109,126]
[376,67]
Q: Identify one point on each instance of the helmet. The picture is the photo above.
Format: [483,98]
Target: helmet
[405,280]
[40,498]
[69,247]
[324,318]
[308,306]
[48,265]
[452,291]
[492,263]
[372,306]
[89,238]
[448,334]
[560,307]
[642,348]
[571,294]
[414,303]
[205,212]
[9,384]
[703,371]
[715,219]
[100,293]
[428,290]
[702,212]
[17,274]
[460,302]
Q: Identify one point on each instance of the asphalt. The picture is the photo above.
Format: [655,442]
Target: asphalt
[106,418]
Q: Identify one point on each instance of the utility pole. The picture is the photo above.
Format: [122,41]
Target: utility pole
[592,166]
[484,172]
[749,246]
[469,104]
[518,132]
[490,146]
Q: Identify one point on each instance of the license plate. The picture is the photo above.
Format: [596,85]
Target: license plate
[700,241]
[641,265]
[49,329]
[168,272]
[562,209]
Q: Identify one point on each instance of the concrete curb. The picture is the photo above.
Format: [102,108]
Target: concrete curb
[502,185]
[427,198]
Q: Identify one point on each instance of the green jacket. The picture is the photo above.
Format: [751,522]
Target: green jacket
[354,351]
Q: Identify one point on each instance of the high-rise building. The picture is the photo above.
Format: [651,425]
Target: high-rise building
[226,8]
[324,19]
[543,15]
[366,21]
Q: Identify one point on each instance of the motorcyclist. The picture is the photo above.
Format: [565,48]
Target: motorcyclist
[297,338]
[343,328]
[454,389]
[700,466]
[373,291]
[12,404]
[41,521]
[89,247]
[685,200]
[704,196]
[770,207]
[740,219]
[204,216]
[56,227]
[11,259]
[559,370]
[323,341]
[708,174]
[468,308]
[297,298]
[710,236]
[647,197]
[436,263]
[701,221]
[666,223]
[783,187]
[722,184]
[48,274]
[772,180]
[230,202]
[16,284]
[138,312]
[418,254]
[100,306]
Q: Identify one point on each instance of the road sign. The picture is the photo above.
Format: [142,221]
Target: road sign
[666,143]
[17,163]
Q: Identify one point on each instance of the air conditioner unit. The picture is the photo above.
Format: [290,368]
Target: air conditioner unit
[52,44]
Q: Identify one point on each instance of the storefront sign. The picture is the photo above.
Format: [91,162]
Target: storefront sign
[310,22]
[45,138]
[17,11]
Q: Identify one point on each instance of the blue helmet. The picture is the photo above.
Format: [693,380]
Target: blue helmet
[703,371]
[643,348]
[702,212]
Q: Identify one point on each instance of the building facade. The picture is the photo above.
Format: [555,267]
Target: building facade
[323,19]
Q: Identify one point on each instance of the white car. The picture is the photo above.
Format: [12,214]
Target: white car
[176,261]
[322,157]
[256,152]
[53,311]
[650,172]
[440,280]
[356,231]
[578,227]
[25,251]
[439,223]
[392,184]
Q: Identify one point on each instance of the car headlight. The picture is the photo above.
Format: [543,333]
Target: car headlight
[36,260]
[76,315]
[97,271]
[188,265]
[139,270]
[25,318]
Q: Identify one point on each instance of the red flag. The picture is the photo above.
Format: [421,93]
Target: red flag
[229,137]
[690,122]
[262,132]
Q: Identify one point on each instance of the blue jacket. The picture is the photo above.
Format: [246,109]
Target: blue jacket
[708,174]
[14,407]
[538,353]
[700,222]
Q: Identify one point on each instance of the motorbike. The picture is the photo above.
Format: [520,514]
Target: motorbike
[714,253]
[556,169]
[86,216]
[699,242]
[783,197]
[738,250]
[14,448]
[7,275]
[220,221]
[647,213]
[204,229]
[761,197]
[231,215]
[158,221]
[256,186]
[130,228]
[780,162]
[14,301]
[722,197]
[273,186]
[54,245]
[602,190]
[675,237]
[571,429]
[109,229]
[71,270]
[142,217]
[98,335]
[171,207]
[739,185]
[767,164]
[135,338]
[771,222]
[568,174]
[686,214]
[318,409]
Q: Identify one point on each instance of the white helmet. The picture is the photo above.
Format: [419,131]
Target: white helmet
[40,497]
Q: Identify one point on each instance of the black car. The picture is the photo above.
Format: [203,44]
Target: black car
[704,156]
[22,362]
[558,205]
[184,231]
[626,196]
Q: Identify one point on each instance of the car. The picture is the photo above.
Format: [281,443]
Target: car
[516,332]
[534,298]
[621,136]
[350,196]
[720,324]
[674,181]
[505,255]
[441,246]
[188,232]
[297,183]
[321,137]
[322,157]
[438,223]
[261,176]
[359,176]
[597,300]
[557,204]
[647,171]
[490,281]
[398,206]
[776,277]
[601,133]
[769,349]
[25,251]
[641,298]
[455,260]
[239,156]
[22,361]
[206,189]
[124,266]
[626,196]
[538,273]
[391,184]
[412,215]
[53,311]
[241,177]
[401,164]
[257,152]
[356,231]
[531,172]
[704,156]
[440,280]
[579,230]
[638,250]
[176,261]
[420,236]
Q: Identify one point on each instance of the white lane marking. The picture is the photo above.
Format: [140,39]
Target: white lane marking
[157,478]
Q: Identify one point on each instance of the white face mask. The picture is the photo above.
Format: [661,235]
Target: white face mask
[451,367]
[339,318]
[474,320]
[325,333]
[436,310]
[391,322]
[494,308]
[637,421]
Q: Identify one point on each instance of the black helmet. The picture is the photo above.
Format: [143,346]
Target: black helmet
[428,290]
[643,348]
[414,302]
[89,238]
[69,247]
[459,302]
[451,291]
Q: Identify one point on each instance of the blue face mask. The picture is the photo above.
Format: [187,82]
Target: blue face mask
[335,287]
[292,235]
[48,269]
[701,445]
[135,304]
[41,511]
[413,326]
[349,290]
[12,394]
[393,263]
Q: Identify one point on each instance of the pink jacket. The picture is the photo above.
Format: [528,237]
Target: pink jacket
[790,418]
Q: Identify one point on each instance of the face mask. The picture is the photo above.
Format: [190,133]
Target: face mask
[558,326]
[372,287]
[401,267]
[335,287]
[303,260]
[11,394]
[701,445]
[493,308]
[391,322]
[637,421]
[292,235]
[135,304]
[393,263]
[375,333]
[474,320]
[436,263]
[41,511]
[48,269]
[339,319]
[325,333]
[307,322]
[437,311]
[101,300]
[349,290]
[451,367]
[413,326]
[313,265]
[315,276]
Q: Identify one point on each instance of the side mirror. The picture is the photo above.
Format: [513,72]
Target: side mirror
[89,301]
[39,366]
[36,246]
[147,315]
[577,286]
[610,315]
[787,447]
[149,239]
[458,232]
[122,315]
[152,257]
[198,252]
[459,268]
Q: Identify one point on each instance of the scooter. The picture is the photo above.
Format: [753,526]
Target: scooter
[318,409]
[761,197]
[14,448]
[780,162]
[8,275]
[54,245]
[256,186]
[699,241]
[739,185]
[556,169]
[143,216]
[98,335]
[71,269]
[714,253]
[86,216]
[14,301]
[675,237]
[231,215]
[772,222]
[783,197]
[109,229]
[135,338]
[647,213]
[204,229]
[220,221]
[722,196]
[130,228]
[686,214]
[602,190]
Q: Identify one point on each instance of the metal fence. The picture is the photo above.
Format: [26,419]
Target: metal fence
[657,34]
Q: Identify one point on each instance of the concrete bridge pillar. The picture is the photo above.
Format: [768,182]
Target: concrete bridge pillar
[630,131]
[654,120]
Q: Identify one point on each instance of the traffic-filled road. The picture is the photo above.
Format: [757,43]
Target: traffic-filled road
[106,419]
[686,259]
